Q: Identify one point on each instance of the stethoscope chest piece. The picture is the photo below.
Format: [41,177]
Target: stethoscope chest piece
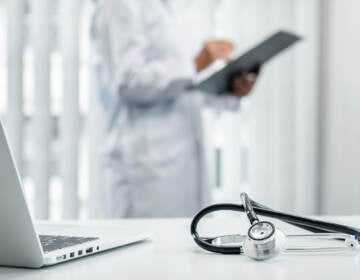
[264,241]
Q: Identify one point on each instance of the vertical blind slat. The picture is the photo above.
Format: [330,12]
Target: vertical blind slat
[70,120]
[15,45]
[307,15]
[41,130]
[95,136]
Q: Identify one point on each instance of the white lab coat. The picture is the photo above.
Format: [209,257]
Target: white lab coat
[153,159]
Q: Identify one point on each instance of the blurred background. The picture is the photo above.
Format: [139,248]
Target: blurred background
[294,145]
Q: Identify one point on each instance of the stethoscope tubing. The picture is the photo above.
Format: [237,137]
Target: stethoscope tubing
[225,240]
[312,225]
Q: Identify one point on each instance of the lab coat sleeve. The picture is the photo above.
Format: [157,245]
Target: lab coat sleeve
[140,76]
[219,102]
[225,101]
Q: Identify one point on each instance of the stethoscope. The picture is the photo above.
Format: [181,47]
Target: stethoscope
[264,240]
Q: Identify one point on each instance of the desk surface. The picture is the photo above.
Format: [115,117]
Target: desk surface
[171,254]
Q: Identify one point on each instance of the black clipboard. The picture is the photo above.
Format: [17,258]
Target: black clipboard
[248,62]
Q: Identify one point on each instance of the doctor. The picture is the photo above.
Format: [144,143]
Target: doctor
[149,52]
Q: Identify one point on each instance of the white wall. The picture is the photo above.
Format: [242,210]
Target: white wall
[340,143]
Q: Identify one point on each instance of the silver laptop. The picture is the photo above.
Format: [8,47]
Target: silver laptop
[25,245]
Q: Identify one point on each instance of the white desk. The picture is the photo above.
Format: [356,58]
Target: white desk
[171,254]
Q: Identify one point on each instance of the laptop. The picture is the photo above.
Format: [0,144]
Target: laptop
[23,244]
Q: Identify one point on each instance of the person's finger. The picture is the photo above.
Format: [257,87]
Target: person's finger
[241,86]
[219,50]
[226,44]
[226,48]
[238,85]
[223,48]
[249,78]
[221,55]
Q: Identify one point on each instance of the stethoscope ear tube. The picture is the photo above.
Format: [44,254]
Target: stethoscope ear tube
[204,242]
[312,225]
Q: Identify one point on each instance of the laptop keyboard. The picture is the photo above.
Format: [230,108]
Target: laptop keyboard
[55,242]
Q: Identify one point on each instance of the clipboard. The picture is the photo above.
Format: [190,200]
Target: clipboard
[248,62]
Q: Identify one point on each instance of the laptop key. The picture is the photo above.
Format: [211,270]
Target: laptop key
[55,242]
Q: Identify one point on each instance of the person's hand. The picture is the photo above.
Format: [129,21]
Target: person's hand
[242,83]
[213,50]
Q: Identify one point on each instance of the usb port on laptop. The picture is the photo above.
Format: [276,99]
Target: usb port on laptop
[89,250]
